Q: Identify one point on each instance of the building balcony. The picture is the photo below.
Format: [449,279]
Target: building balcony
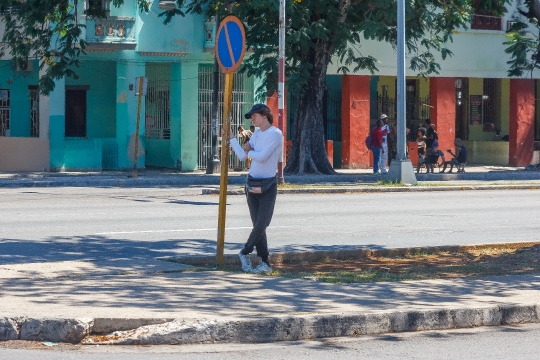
[111,34]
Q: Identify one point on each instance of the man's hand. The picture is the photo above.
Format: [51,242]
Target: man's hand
[231,136]
[247,147]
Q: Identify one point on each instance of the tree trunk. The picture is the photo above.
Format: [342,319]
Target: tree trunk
[308,153]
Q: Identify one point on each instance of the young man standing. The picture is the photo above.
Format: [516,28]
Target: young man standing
[264,148]
[384,154]
[377,145]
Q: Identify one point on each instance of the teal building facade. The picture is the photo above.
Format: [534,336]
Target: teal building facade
[89,122]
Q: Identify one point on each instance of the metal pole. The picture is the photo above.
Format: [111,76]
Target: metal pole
[281,83]
[224,167]
[401,110]
[212,164]
[401,168]
[136,147]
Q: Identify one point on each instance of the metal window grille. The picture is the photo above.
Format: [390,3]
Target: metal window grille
[242,101]
[157,102]
[486,22]
[489,100]
[331,116]
[417,111]
[4,111]
[34,111]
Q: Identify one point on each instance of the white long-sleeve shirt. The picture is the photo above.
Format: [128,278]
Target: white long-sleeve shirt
[267,146]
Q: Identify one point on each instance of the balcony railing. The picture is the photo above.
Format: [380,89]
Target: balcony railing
[115,32]
[486,22]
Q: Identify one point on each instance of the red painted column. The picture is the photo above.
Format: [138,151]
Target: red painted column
[355,121]
[330,151]
[521,134]
[442,93]
[272,103]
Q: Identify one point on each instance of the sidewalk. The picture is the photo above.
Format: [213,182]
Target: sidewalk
[199,180]
[153,302]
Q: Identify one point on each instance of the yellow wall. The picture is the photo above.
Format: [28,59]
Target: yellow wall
[423,87]
[389,81]
[487,152]
[505,107]
[476,86]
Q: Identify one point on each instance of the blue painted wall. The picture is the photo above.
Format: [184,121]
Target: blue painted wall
[17,82]
[182,34]
[100,76]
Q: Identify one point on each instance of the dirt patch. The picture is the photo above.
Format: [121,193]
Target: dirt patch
[38,345]
[505,259]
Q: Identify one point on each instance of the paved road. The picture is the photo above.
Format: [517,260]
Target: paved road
[501,343]
[51,224]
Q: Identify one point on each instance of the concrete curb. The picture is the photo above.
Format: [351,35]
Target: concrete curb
[268,329]
[292,328]
[383,189]
[66,330]
[349,254]
[196,179]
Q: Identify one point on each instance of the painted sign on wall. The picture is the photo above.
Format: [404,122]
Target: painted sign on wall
[475,110]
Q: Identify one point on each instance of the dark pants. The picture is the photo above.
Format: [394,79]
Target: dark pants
[452,162]
[261,209]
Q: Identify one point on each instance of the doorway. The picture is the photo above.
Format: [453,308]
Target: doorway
[75,113]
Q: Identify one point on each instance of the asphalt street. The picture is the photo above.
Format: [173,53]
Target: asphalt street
[493,343]
[54,224]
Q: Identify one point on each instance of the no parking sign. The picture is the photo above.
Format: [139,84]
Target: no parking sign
[231,44]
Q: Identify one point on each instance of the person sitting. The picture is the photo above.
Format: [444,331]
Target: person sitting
[245,134]
[459,158]
[432,156]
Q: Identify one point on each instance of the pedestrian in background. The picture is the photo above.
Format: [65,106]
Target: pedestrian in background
[459,157]
[264,148]
[384,153]
[421,145]
[431,134]
[377,145]
[432,157]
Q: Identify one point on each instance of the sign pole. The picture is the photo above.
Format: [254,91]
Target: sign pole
[227,105]
[136,151]
[230,49]
[281,84]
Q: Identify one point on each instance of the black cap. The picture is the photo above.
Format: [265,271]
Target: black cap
[257,108]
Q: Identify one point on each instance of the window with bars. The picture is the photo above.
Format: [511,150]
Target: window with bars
[491,104]
[34,110]
[4,111]
[99,8]
[157,102]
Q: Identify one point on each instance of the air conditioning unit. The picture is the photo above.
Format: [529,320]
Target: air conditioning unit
[167,4]
[22,65]
[509,24]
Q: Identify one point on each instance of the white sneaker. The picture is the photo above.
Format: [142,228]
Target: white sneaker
[246,262]
[262,268]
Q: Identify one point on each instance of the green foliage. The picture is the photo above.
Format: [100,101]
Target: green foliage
[523,48]
[47,30]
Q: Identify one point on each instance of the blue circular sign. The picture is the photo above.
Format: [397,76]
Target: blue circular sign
[230,44]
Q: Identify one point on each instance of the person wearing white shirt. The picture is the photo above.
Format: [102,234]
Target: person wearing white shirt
[264,148]
[384,156]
